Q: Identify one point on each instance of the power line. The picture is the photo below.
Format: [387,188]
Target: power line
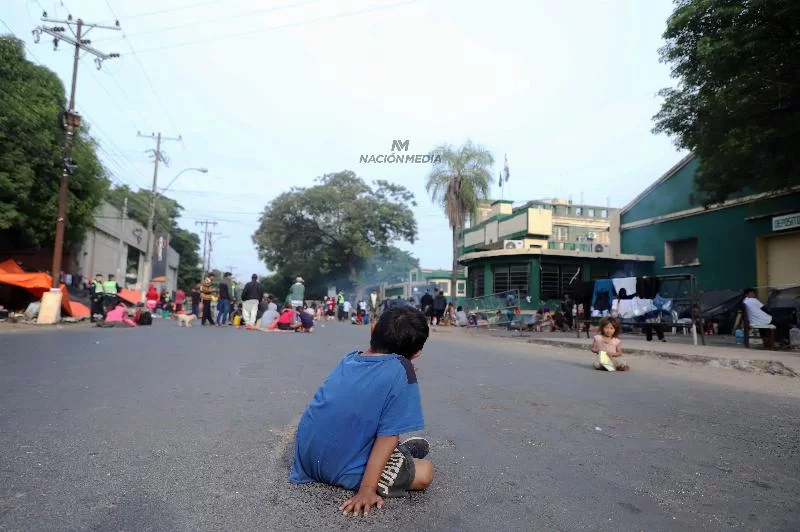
[144,71]
[222,19]
[281,26]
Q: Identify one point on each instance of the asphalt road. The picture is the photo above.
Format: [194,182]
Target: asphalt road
[164,428]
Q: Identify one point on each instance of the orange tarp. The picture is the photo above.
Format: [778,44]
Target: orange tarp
[37,284]
[10,266]
[131,296]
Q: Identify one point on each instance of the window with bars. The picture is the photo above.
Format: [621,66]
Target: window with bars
[560,233]
[476,281]
[557,279]
[511,277]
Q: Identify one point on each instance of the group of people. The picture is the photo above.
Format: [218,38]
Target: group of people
[104,296]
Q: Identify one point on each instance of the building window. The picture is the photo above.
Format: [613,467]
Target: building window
[442,286]
[560,233]
[681,252]
[511,277]
[578,211]
[413,277]
[590,213]
[461,288]
[476,281]
[557,280]
[604,213]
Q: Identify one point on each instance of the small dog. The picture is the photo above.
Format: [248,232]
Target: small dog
[185,320]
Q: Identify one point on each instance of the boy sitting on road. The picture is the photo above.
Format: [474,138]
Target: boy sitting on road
[349,434]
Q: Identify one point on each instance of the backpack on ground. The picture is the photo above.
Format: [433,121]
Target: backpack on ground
[145,318]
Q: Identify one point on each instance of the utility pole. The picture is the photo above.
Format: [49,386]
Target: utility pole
[206,242]
[211,243]
[122,263]
[71,120]
[148,257]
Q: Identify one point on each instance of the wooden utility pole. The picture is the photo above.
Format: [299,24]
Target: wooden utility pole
[122,261]
[148,256]
[206,242]
[72,121]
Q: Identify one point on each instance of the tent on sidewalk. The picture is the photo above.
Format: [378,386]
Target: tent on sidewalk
[37,284]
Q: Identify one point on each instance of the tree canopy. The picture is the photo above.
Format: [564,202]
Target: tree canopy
[737,103]
[329,232]
[31,156]
[459,181]
[186,243]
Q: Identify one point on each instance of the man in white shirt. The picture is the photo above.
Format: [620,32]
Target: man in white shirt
[755,311]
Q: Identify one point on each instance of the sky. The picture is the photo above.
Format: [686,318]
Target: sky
[270,94]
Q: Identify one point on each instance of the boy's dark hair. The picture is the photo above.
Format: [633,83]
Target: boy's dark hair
[400,330]
[460,308]
[749,290]
[610,321]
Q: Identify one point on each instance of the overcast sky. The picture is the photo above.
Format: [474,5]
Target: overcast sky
[268,94]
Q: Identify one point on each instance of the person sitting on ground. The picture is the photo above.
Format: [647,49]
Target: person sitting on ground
[306,321]
[286,321]
[119,315]
[271,315]
[379,389]
[461,317]
[608,343]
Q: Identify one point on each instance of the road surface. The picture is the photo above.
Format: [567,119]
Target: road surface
[164,428]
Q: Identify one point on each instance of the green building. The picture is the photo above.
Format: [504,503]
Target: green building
[542,247]
[749,240]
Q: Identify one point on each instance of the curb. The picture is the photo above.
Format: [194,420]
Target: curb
[771,367]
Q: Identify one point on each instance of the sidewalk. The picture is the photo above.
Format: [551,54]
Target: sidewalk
[723,353]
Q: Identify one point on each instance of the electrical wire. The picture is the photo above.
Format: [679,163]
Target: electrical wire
[146,75]
[280,26]
[221,19]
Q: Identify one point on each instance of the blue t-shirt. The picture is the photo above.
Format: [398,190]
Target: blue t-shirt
[363,398]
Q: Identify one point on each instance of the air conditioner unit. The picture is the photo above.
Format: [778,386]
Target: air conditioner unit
[600,248]
[591,236]
[513,244]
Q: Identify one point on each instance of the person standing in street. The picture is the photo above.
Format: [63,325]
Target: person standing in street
[110,291]
[439,304]
[195,295]
[426,305]
[207,295]
[225,298]
[373,306]
[97,296]
[251,295]
[297,293]
[180,300]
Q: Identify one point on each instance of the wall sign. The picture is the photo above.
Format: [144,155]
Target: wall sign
[787,221]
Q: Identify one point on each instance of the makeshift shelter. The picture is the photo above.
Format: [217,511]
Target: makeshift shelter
[130,296]
[38,283]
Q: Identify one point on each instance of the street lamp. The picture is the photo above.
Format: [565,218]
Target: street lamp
[148,256]
[201,170]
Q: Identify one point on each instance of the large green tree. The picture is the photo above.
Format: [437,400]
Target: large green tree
[32,99]
[459,181]
[185,243]
[326,233]
[737,103]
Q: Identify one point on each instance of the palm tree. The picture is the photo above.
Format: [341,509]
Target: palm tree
[459,181]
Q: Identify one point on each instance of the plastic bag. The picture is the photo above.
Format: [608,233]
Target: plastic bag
[605,361]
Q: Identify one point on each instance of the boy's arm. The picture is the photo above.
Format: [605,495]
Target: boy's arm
[381,451]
